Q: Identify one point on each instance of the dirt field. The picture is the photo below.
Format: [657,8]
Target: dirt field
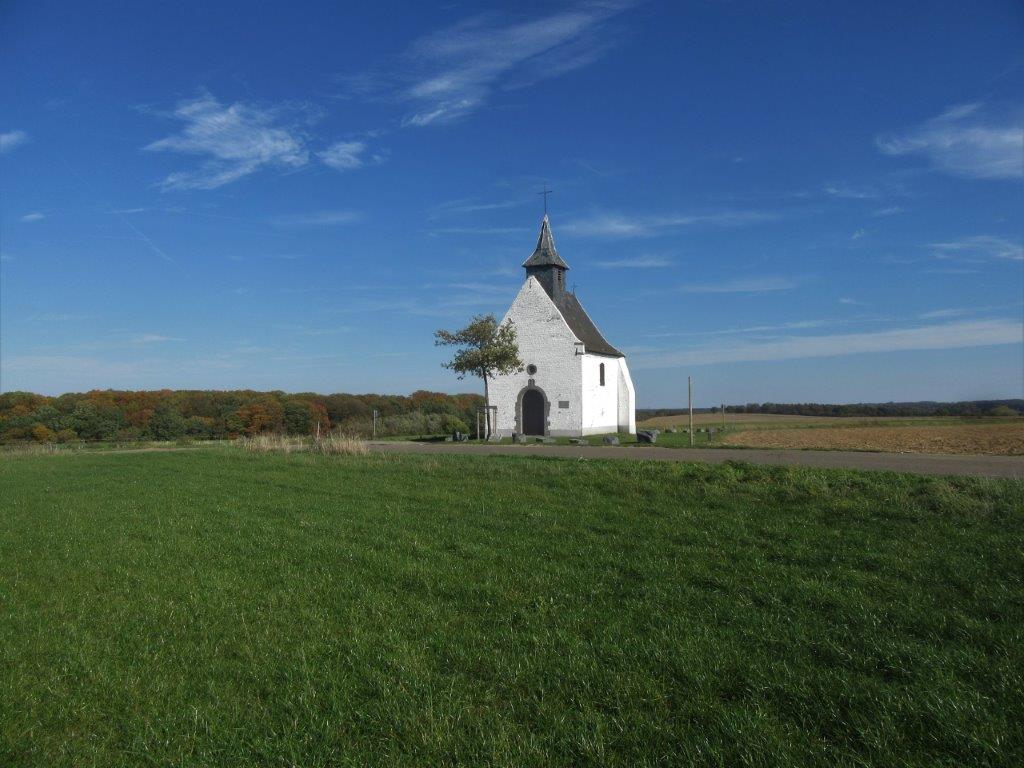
[1005,439]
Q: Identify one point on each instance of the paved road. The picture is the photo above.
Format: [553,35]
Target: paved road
[915,463]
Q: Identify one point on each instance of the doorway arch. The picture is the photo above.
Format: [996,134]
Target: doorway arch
[533,407]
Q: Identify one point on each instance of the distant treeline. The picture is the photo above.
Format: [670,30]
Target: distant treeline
[208,415]
[921,408]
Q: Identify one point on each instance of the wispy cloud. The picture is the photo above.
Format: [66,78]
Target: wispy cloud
[236,140]
[851,192]
[940,314]
[478,230]
[890,210]
[636,262]
[499,290]
[345,155]
[452,72]
[11,139]
[153,338]
[961,142]
[348,155]
[305,330]
[851,302]
[456,207]
[753,329]
[979,248]
[62,317]
[743,285]
[952,335]
[619,225]
[319,218]
[240,139]
[28,218]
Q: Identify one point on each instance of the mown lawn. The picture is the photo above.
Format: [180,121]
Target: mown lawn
[215,607]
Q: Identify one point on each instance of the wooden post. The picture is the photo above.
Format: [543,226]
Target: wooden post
[689,386]
[723,415]
[374,423]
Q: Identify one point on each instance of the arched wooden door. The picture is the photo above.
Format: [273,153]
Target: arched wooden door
[533,412]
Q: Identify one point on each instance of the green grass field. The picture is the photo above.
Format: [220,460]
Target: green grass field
[216,607]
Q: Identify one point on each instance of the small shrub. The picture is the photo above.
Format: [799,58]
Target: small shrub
[1003,411]
[451,424]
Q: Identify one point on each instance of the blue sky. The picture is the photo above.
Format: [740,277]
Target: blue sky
[787,201]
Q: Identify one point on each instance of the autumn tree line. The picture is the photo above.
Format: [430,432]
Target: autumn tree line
[214,415]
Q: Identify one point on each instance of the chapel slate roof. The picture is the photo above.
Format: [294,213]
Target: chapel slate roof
[545,255]
[581,324]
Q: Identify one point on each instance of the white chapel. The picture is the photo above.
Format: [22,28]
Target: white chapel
[573,382]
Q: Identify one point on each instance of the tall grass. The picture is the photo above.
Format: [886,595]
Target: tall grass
[331,443]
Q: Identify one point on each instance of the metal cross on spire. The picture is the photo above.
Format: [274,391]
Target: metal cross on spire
[545,192]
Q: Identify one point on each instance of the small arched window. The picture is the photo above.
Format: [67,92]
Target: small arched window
[602,374]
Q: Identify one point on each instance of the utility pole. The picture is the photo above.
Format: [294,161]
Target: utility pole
[689,386]
[723,415]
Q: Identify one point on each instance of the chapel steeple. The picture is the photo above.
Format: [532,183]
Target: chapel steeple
[545,264]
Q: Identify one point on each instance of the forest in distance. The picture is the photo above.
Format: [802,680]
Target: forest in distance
[963,408]
[105,415]
[102,415]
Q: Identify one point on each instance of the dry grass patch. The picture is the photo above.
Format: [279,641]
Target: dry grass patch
[329,444]
[991,439]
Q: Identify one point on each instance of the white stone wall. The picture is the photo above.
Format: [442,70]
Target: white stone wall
[545,340]
[600,403]
[627,399]
[610,408]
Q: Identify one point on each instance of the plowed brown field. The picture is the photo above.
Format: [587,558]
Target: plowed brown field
[994,439]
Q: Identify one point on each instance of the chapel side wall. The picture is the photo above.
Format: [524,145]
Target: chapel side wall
[600,403]
[544,340]
[627,399]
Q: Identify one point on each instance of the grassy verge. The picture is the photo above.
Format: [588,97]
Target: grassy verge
[665,439]
[233,608]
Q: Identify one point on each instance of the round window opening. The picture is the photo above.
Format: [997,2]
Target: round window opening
[531,369]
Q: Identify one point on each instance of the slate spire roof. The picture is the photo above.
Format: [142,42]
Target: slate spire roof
[545,255]
[544,262]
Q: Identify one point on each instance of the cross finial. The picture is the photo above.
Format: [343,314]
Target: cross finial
[545,192]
